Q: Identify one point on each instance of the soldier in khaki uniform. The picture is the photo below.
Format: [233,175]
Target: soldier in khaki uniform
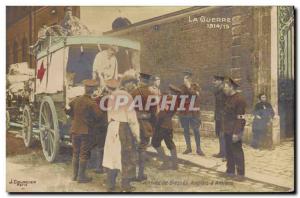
[190,118]
[146,120]
[233,124]
[82,110]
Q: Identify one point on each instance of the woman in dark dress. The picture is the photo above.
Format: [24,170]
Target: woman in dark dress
[263,114]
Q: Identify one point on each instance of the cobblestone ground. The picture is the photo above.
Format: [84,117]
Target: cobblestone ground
[278,163]
[55,177]
[194,179]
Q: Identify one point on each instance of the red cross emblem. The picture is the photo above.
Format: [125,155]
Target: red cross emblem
[41,72]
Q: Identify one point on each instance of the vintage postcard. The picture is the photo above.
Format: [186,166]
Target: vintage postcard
[150,99]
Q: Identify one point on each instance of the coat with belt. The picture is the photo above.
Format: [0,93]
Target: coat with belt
[83,110]
[99,125]
[233,121]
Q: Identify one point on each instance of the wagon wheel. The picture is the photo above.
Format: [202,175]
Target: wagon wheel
[27,127]
[7,120]
[49,132]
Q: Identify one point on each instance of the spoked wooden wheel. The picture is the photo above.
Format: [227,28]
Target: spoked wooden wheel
[27,127]
[49,131]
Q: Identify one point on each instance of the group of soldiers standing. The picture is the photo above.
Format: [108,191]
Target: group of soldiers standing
[121,136]
[230,107]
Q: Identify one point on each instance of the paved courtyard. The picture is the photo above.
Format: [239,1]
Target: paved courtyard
[29,172]
[273,166]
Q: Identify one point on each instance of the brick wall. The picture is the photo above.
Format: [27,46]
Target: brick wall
[168,47]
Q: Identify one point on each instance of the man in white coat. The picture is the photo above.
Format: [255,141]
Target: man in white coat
[123,131]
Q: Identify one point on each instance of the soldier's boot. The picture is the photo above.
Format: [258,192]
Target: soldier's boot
[75,164]
[99,168]
[200,152]
[162,156]
[111,180]
[218,155]
[174,159]
[82,178]
[141,175]
[240,178]
[188,149]
[126,186]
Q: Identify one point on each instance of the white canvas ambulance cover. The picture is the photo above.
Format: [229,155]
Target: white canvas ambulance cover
[50,72]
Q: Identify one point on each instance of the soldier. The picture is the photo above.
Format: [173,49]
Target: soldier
[123,128]
[82,110]
[146,118]
[233,125]
[219,105]
[99,130]
[164,131]
[154,88]
[190,118]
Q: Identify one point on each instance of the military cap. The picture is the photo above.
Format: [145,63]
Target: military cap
[145,76]
[112,83]
[154,78]
[218,77]
[188,72]
[128,78]
[90,83]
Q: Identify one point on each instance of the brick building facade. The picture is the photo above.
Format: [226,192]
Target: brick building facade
[239,41]
[22,26]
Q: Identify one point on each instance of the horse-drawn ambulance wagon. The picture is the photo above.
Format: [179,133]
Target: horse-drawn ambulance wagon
[62,64]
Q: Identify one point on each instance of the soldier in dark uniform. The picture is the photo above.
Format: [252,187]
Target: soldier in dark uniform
[164,131]
[82,110]
[190,118]
[233,125]
[219,105]
[99,130]
[146,120]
